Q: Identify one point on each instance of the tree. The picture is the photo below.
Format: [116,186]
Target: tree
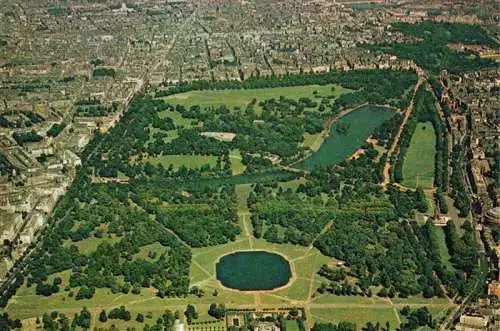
[139,318]
[217,311]
[294,312]
[84,319]
[190,313]
[102,316]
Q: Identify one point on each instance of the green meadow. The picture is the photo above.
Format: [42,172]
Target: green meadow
[241,98]
[418,166]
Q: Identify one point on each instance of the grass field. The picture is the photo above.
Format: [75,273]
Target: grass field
[443,250]
[359,316]
[236,164]
[177,118]
[89,245]
[313,141]
[291,325]
[418,166]
[292,184]
[241,98]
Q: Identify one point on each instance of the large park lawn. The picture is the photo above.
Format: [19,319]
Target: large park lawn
[418,166]
[241,98]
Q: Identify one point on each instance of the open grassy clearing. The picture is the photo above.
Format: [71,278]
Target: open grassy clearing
[453,214]
[421,300]
[179,121]
[26,304]
[189,161]
[348,299]
[360,316]
[90,244]
[313,141]
[242,193]
[432,203]
[418,166]
[236,162]
[292,184]
[298,291]
[291,325]
[241,98]
[171,134]
[443,250]
[155,249]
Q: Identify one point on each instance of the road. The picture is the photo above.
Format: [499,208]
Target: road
[395,143]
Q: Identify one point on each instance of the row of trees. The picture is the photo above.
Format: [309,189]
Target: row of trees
[459,189]
[55,129]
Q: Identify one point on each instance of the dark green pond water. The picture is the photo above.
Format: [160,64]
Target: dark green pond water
[358,126]
[253,270]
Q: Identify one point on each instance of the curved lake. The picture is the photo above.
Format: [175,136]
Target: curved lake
[359,125]
[253,270]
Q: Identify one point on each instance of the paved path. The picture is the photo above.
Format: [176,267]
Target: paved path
[246,227]
[395,143]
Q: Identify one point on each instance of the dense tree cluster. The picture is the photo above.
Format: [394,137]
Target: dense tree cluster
[202,225]
[408,201]
[286,219]
[464,257]
[55,129]
[432,53]
[447,32]
[95,110]
[459,189]
[388,130]
[120,313]
[6,323]
[339,284]
[26,137]
[206,216]
[400,264]
[190,313]
[217,311]
[103,211]
[417,318]
[360,178]
[102,72]
[24,119]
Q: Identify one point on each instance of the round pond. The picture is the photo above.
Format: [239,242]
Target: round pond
[253,271]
